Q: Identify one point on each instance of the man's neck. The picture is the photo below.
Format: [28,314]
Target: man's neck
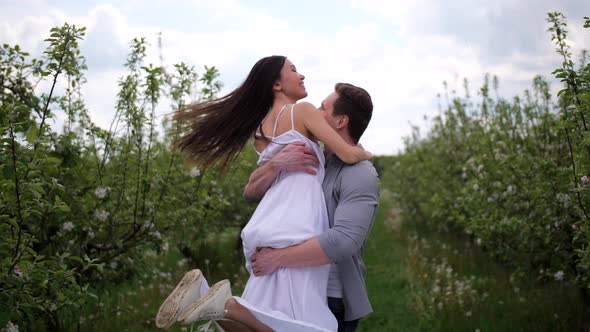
[345,137]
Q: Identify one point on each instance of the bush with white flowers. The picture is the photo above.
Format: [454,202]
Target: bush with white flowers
[513,175]
[81,207]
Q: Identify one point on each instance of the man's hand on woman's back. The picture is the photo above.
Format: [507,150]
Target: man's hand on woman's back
[296,157]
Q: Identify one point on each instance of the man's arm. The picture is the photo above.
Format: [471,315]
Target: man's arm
[354,215]
[295,157]
[308,253]
[352,222]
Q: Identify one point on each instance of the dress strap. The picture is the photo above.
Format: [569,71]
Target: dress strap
[274,131]
[292,122]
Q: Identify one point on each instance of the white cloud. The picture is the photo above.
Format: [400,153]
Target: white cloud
[107,38]
[400,55]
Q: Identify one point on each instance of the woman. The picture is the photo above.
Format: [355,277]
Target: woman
[293,209]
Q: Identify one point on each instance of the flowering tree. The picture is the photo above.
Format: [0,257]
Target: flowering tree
[513,175]
[81,205]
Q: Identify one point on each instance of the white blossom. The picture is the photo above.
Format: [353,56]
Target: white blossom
[17,271]
[449,271]
[478,241]
[101,215]
[67,226]
[147,224]
[101,192]
[195,172]
[563,199]
[585,179]
[498,155]
[510,189]
[10,327]
[558,275]
[156,234]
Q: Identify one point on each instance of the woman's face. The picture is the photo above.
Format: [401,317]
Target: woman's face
[290,82]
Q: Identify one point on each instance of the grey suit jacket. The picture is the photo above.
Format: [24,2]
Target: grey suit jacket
[352,196]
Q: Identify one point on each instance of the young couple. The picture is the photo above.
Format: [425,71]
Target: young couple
[304,243]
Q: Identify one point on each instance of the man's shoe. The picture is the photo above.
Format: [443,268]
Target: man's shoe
[187,292]
[210,306]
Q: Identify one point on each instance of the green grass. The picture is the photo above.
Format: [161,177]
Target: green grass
[132,305]
[400,280]
[388,282]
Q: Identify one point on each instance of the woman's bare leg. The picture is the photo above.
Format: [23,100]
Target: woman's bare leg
[237,313]
[233,326]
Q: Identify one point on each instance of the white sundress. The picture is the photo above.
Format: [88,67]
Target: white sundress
[292,211]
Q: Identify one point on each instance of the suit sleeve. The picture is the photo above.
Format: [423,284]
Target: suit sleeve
[359,197]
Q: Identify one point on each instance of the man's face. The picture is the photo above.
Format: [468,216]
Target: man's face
[327,109]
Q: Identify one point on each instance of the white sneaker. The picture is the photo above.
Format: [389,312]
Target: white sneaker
[187,292]
[210,306]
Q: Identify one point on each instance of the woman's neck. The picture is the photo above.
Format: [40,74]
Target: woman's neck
[281,100]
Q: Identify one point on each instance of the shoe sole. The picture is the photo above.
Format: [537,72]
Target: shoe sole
[168,312]
[205,300]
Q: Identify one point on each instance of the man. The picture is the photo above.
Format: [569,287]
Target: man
[352,195]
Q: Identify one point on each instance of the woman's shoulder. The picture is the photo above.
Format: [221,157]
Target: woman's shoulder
[304,106]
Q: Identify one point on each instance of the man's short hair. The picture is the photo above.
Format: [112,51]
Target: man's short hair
[355,103]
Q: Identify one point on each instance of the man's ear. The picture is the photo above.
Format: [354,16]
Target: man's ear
[342,121]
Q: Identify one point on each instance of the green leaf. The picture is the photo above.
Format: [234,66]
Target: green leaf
[32,134]
[61,205]
[8,172]
[13,223]
[53,160]
[38,188]
[76,259]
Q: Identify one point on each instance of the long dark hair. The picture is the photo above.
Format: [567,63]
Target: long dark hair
[219,129]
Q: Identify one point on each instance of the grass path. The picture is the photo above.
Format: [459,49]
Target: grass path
[388,283]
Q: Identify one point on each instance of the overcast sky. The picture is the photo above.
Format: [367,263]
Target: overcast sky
[400,53]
